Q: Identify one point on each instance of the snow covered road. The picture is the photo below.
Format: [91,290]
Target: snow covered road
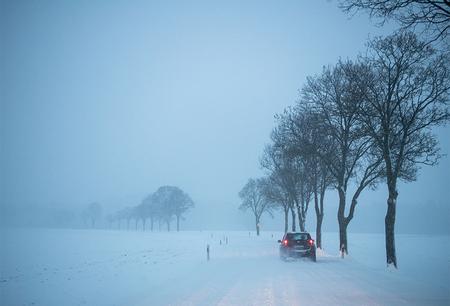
[83,267]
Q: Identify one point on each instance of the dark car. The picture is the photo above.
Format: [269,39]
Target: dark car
[295,245]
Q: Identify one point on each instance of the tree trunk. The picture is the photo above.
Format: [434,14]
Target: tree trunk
[178,223]
[293,219]
[136,224]
[143,224]
[302,225]
[318,203]
[319,231]
[301,217]
[168,226]
[257,225]
[343,247]
[319,218]
[389,221]
[286,217]
[151,224]
[343,236]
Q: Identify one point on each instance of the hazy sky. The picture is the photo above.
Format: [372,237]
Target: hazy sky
[107,100]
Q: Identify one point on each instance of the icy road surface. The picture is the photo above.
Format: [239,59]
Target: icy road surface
[99,267]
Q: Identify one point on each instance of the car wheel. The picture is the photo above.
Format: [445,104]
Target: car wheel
[313,257]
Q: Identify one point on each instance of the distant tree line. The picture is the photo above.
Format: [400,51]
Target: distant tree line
[161,207]
[355,125]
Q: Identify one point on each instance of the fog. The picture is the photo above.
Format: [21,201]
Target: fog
[116,116]
[106,101]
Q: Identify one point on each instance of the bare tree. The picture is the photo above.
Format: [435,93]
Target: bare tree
[275,193]
[118,217]
[127,214]
[149,210]
[433,16]
[182,202]
[252,196]
[171,201]
[321,180]
[292,170]
[306,141]
[93,212]
[135,213]
[163,199]
[408,96]
[280,172]
[142,211]
[335,97]
[283,169]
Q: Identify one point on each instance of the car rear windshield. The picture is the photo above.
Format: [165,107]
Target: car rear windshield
[297,236]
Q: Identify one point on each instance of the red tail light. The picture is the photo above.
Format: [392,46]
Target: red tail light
[285,242]
[311,242]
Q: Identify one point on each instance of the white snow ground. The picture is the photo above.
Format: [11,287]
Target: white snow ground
[100,267]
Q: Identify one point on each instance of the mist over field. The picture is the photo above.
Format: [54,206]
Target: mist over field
[125,126]
[106,102]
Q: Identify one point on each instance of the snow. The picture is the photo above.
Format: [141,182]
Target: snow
[101,267]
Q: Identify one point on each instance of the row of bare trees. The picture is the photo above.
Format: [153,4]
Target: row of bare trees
[162,206]
[356,125]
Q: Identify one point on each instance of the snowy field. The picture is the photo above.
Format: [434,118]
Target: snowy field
[99,267]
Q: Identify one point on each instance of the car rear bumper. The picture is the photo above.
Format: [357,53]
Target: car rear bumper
[297,252]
